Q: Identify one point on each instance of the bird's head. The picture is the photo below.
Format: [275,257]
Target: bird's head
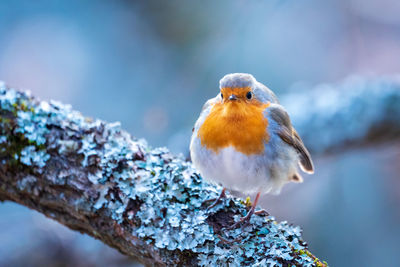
[238,88]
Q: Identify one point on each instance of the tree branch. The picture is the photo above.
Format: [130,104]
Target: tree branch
[355,112]
[94,178]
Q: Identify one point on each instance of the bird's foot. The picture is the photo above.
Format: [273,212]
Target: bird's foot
[243,219]
[250,213]
[216,201]
[248,217]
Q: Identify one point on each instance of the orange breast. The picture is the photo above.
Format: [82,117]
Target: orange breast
[236,124]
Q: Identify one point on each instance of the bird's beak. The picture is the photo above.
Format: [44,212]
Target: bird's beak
[232,97]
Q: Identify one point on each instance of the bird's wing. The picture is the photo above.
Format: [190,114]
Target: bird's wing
[289,135]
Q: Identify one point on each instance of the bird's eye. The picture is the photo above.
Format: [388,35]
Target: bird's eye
[222,96]
[249,95]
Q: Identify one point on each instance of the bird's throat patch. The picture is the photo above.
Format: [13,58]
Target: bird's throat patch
[237,124]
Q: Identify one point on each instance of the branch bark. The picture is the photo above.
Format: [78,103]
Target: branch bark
[94,178]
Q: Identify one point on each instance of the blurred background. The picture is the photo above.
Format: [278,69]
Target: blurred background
[153,64]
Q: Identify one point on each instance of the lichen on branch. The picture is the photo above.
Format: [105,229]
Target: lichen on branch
[94,177]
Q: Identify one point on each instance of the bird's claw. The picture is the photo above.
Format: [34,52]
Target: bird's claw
[217,200]
[242,220]
[247,218]
[214,204]
[227,241]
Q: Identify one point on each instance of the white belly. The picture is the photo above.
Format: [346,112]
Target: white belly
[247,174]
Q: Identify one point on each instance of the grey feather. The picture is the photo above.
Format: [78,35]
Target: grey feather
[237,80]
[264,94]
[289,135]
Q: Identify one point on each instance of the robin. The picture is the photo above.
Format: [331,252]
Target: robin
[245,141]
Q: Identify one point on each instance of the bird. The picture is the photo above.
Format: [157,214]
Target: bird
[244,140]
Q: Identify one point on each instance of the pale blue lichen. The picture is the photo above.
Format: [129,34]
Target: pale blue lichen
[32,125]
[28,129]
[30,156]
[8,98]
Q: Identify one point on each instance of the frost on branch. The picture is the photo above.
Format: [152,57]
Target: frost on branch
[94,177]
